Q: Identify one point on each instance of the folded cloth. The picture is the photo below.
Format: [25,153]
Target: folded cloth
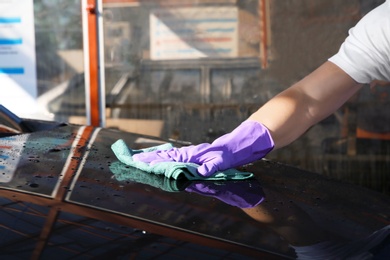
[175,170]
[122,172]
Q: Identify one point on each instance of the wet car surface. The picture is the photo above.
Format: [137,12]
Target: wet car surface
[63,193]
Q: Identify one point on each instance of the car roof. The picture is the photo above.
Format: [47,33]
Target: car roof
[63,190]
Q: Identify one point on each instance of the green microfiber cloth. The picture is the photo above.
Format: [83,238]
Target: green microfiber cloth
[123,172]
[175,170]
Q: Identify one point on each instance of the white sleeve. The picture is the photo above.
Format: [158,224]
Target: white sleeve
[365,54]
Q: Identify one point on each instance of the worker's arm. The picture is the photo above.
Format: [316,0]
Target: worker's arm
[289,114]
[279,122]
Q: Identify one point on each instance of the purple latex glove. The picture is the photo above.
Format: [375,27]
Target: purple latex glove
[249,142]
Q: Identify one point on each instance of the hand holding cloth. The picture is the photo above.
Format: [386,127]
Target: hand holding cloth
[249,142]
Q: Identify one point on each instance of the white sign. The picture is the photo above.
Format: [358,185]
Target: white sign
[193,32]
[18,83]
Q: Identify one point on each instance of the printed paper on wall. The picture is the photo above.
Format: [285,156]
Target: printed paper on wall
[193,32]
[17,56]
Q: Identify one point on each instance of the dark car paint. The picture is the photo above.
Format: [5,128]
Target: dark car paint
[60,198]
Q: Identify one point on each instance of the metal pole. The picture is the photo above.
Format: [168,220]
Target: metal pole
[263,33]
[94,62]
[102,85]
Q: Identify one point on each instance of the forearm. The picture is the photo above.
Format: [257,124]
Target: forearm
[289,114]
[284,117]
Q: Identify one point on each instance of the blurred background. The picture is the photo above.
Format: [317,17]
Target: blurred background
[192,70]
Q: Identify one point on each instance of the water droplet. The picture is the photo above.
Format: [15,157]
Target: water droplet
[55,150]
[33,185]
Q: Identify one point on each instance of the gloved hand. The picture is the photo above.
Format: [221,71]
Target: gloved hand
[249,142]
